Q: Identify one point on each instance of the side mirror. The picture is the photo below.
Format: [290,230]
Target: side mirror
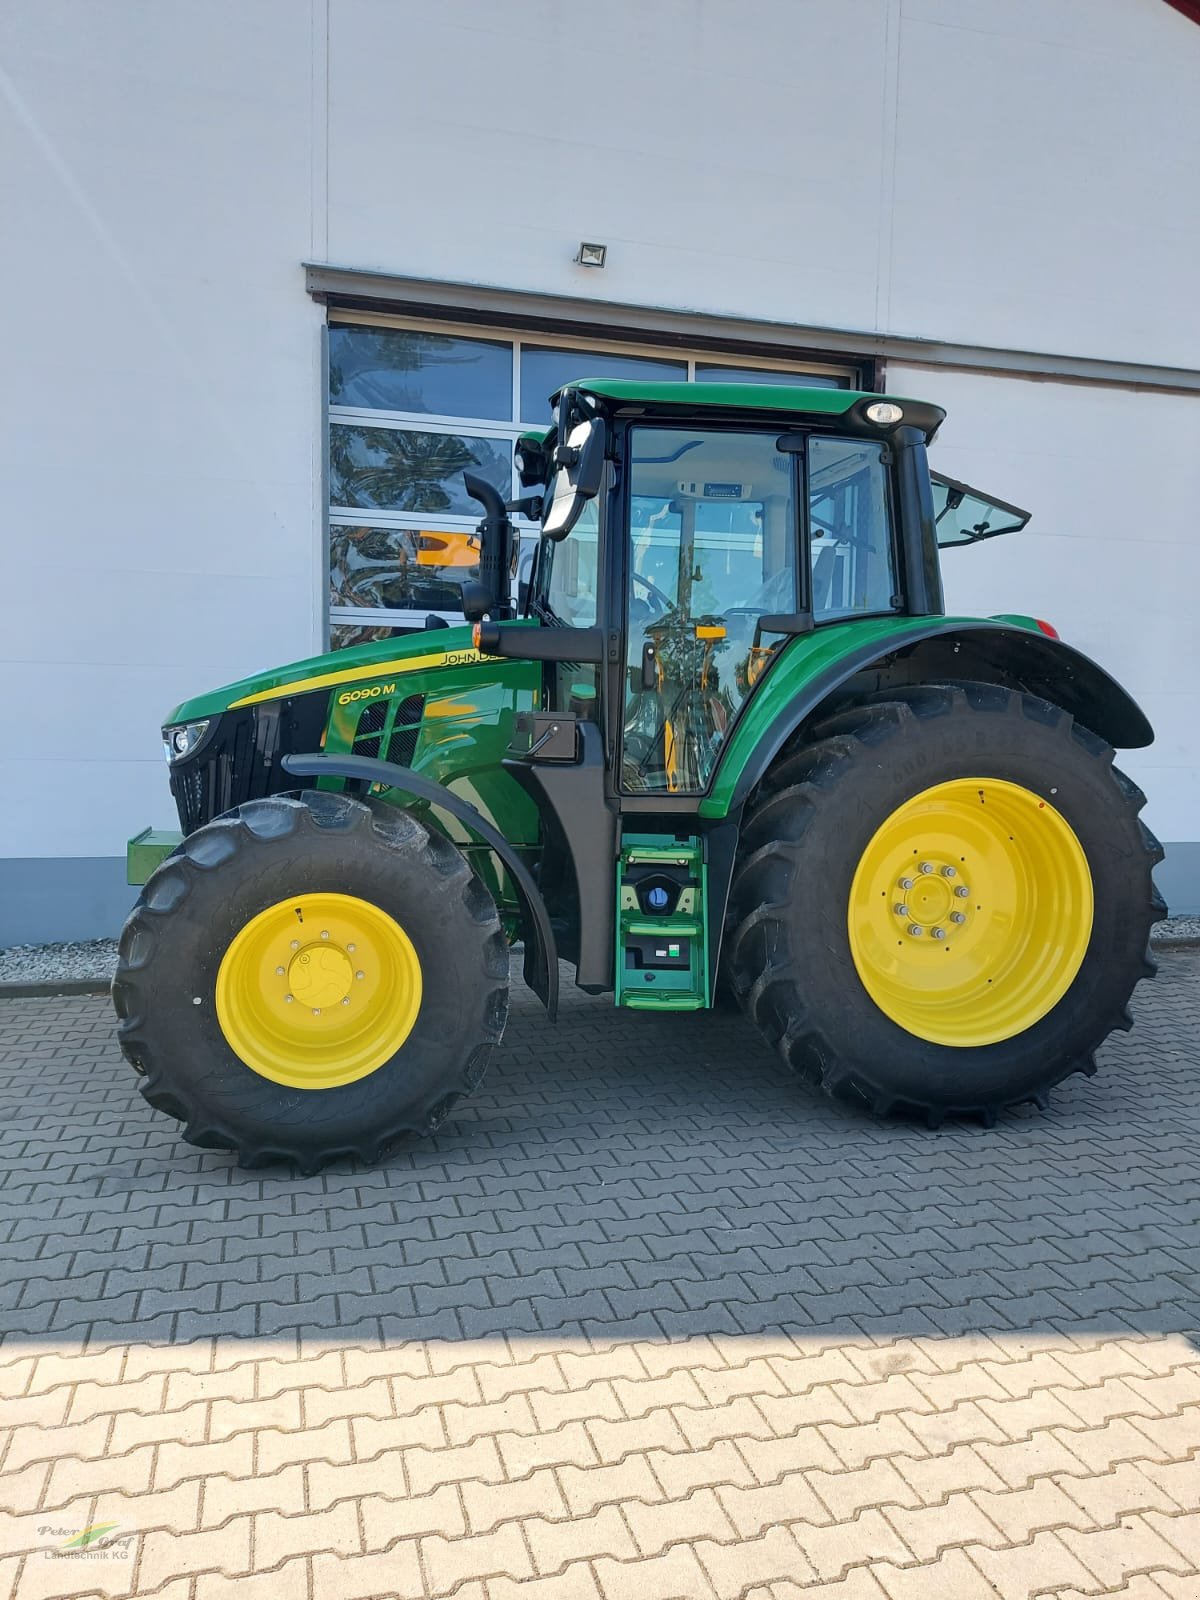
[580,471]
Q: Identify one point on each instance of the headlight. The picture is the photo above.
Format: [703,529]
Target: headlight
[181,741]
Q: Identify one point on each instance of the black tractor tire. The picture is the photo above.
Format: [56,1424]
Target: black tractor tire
[788,953]
[220,878]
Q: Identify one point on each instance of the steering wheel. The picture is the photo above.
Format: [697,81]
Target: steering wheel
[665,603]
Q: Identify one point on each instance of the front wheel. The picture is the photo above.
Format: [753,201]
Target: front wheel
[943,903]
[311,977]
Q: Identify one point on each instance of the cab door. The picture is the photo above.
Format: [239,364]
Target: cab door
[713,546]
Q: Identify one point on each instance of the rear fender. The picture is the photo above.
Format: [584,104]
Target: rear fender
[811,673]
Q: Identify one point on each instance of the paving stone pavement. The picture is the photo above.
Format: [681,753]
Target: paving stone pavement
[646,1322]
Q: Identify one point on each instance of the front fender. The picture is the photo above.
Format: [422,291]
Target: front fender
[810,670]
[541,953]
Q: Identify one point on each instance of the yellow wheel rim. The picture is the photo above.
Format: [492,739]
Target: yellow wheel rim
[318,991]
[970,912]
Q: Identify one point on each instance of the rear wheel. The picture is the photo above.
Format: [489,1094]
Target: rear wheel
[943,902]
[311,977]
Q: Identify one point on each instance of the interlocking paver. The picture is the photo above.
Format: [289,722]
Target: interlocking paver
[631,1327]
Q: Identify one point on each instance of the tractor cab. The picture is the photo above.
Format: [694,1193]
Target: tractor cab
[701,527]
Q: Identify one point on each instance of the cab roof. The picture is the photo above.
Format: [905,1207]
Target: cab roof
[631,395]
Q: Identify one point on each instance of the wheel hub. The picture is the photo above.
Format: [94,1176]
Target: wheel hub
[970,912]
[320,975]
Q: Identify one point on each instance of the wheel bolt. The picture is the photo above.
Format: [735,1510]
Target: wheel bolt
[316,1011]
[900,910]
[906,883]
[948,872]
[324,933]
[938,933]
[295,944]
[346,1001]
[957,916]
[962,891]
[350,949]
[915,930]
[927,866]
[360,974]
[279,972]
[288,998]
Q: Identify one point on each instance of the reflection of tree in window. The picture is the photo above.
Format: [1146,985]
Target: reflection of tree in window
[391,369]
[380,567]
[409,470]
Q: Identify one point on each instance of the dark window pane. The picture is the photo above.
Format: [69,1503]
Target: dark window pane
[400,568]
[394,369]
[396,469]
[790,380]
[543,371]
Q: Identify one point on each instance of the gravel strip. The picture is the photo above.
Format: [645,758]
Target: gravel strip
[96,959]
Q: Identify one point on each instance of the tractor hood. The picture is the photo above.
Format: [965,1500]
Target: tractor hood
[429,647]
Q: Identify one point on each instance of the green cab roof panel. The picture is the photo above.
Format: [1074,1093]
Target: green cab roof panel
[777,398]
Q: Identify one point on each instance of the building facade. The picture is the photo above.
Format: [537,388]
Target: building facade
[277,270]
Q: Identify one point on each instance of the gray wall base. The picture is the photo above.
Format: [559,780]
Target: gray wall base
[47,899]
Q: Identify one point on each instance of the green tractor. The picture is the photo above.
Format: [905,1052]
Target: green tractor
[724,744]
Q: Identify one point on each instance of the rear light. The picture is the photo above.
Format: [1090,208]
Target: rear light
[1048,629]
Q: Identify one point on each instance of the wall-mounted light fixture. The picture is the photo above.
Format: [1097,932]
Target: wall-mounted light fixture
[592,255]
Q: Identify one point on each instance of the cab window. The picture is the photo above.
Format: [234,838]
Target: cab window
[851,544]
[571,570]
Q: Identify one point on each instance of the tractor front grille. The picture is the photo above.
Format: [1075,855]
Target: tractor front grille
[240,758]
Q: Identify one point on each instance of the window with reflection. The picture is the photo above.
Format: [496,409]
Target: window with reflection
[400,469]
[545,369]
[403,369]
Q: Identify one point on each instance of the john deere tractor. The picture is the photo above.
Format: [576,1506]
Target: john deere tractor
[723,743]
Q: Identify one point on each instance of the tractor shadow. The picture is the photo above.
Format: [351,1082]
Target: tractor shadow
[618,1176]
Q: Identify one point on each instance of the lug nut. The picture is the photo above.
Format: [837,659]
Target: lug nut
[957,916]
[295,944]
[350,949]
[324,933]
[900,910]
[915,930]
[962,891]
[346,1001]
[360,974]
[279,972]
[316,1011]
[927,866]
[938,933]
[288,998]
[948,872]
[906,883]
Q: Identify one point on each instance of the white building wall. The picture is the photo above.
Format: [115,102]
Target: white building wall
[161,401]
[1111,556]
[1021,176]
